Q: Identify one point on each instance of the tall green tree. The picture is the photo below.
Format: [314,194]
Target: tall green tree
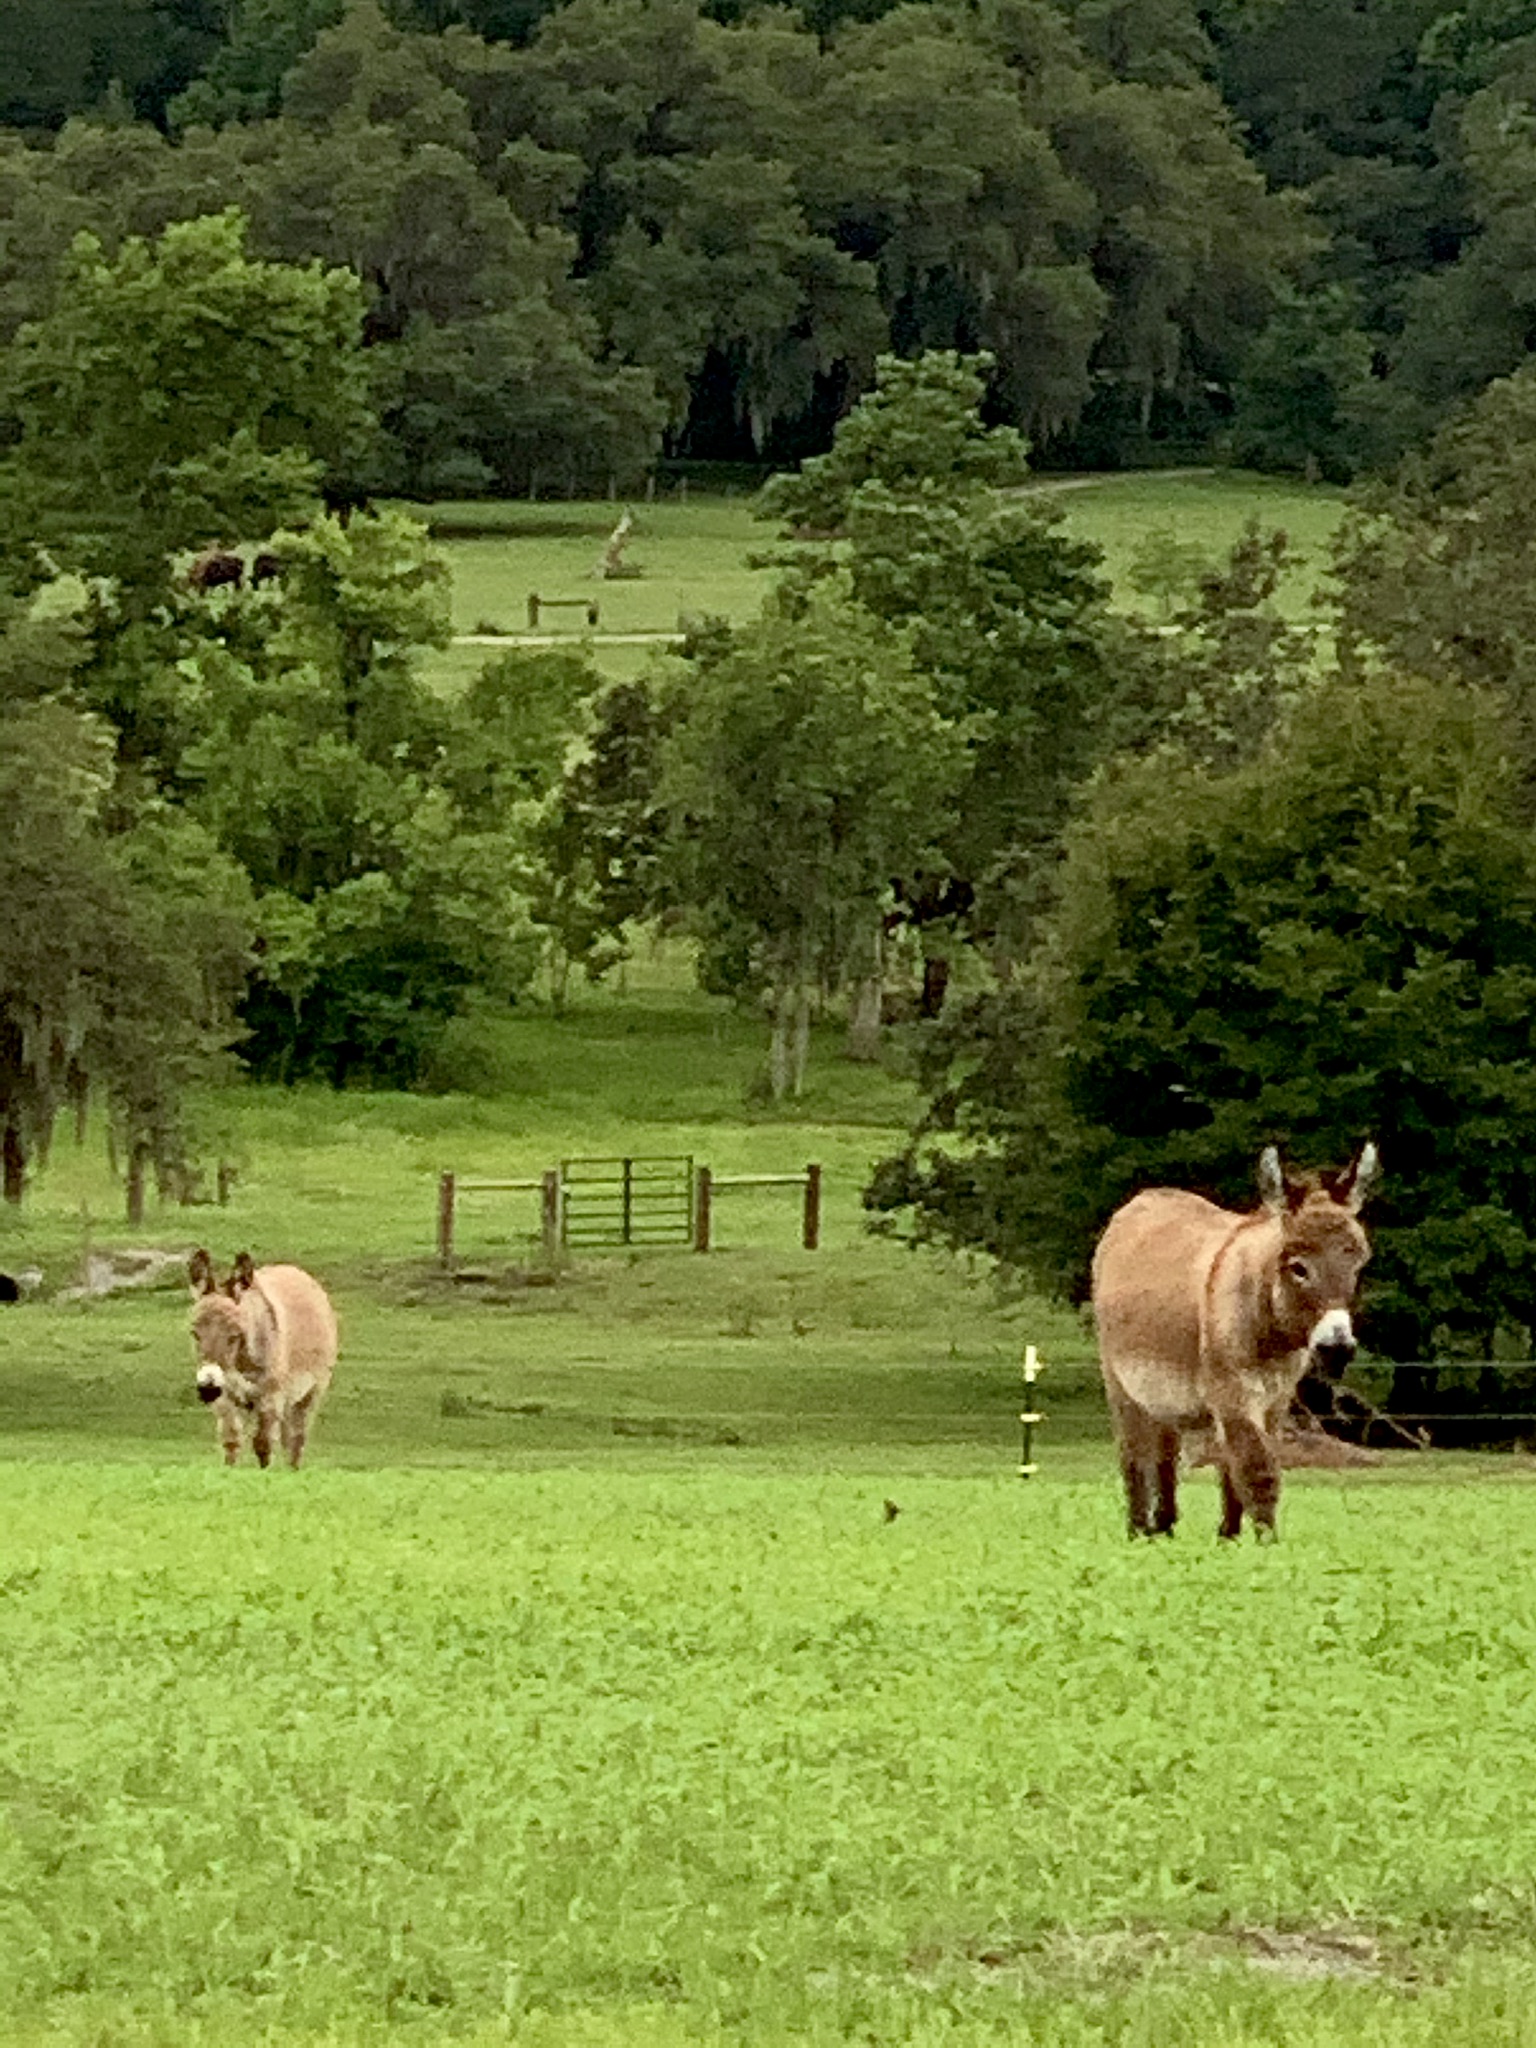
[811,765]
[122,951]
[1470,321]
[378,827]
[243,79]
[920,428]
[483,360]
[55,62]
[600,839]
[1433,566]
[177,393]
[1301,399]
[1003,613]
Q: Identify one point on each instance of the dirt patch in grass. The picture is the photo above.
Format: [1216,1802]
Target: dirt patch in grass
[1309,1954]
[1060,1956]
[1116,1956]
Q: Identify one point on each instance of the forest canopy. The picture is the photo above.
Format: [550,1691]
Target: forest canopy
[595,232]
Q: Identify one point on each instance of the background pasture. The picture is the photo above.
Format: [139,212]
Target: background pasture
[693,554]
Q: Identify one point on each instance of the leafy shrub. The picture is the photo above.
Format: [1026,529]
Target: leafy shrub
[1335,938]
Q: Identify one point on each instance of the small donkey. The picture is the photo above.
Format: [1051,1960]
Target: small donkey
[266,1347]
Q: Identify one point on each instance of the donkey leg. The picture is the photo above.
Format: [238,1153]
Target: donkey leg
[1253,1472]
[266,1430]
[1138,1503]
[1167,1466]
[1231,1508]
[1136,1435]
[296,1428]
[231,1435]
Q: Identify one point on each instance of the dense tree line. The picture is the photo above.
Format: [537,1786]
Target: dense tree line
[1166,889]
[595,230]
[1163,890]
[592,229]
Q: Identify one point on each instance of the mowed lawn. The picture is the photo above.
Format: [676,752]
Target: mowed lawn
[1206,510]
[857,1349]
[672,1656]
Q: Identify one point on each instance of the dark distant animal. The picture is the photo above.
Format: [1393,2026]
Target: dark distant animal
[216,566]
[266,1347]
[10,1290]
[266,568]
[1208,1319]
[342,499]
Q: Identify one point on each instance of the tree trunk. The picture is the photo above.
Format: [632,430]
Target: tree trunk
[559,976]
[802,1037]
[779,1046]
[78,1088]
[789,1044]
[14,1155]
[138,1153]
[935,983]
[863,1040]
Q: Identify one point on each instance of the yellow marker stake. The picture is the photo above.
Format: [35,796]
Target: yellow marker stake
[1028,1417]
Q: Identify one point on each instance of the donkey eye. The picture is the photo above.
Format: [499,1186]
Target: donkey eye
[1297,1269]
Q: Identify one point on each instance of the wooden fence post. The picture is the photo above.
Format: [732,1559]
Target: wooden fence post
[550,1197]
[533,611]
[445,1192]
[812,1233]
[703,1203]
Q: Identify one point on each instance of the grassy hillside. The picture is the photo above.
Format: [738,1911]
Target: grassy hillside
[670,1656]
[1207,510]
[859,1351]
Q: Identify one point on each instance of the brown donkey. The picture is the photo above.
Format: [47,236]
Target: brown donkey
[266,1347]
[1207,1318]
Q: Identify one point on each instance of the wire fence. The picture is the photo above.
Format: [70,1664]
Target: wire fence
[1410,1404]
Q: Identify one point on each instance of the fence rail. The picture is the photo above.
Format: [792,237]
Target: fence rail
[712,1184]
[451,1187]
[644,1199]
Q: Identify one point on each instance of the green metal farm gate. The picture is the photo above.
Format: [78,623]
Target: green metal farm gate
[640,1201]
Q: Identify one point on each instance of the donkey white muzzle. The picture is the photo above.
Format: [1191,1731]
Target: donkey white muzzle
[210,1382]
[1333,1339]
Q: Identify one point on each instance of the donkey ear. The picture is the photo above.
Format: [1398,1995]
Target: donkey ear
[243,1276]
[200,1274]
[1272,1189]
[1357,1183]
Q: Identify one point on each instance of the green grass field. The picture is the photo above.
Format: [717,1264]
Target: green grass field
[582,1689]
[686,1754]
[1206,510]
